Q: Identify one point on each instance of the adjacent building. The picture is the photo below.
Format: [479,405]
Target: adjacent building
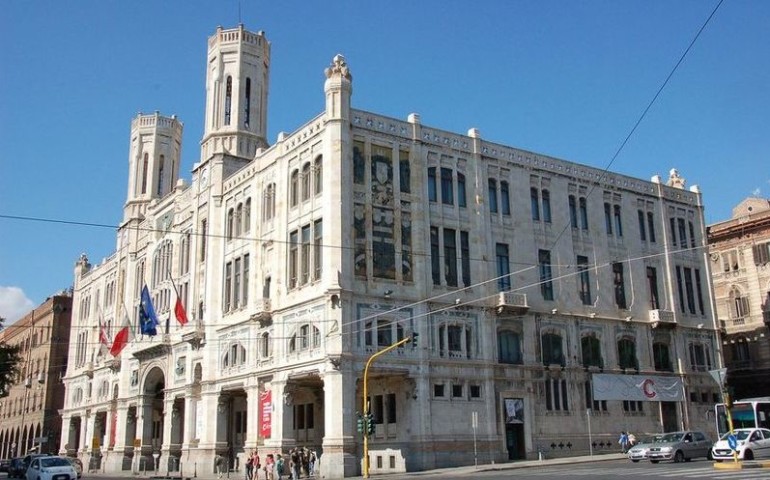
[740,266]
[29,411]
[524,276]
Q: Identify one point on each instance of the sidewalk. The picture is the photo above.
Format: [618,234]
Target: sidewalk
[425,473]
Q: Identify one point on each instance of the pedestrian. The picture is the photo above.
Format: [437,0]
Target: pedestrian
[256,463]
[250,466]
[311,463]
[623,441]
[269,467]
[279,466]
[295,465]
[631,440]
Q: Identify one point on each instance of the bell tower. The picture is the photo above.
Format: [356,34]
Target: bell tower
[153,161]
[236,93]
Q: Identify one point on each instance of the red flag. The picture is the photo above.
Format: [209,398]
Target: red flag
[181,315]
[123,337]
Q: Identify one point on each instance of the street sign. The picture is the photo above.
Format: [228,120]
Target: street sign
[732,441]
[719,376]
[41,439]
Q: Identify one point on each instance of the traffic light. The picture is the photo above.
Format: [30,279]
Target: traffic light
[361,423]
[414,339]
[370,424]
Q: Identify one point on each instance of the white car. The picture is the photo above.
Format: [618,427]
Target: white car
[51,468]
[751,443]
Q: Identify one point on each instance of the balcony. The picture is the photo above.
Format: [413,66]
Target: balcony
[155,348]
[662,318]
[512,303]
[263,313]
[196,338]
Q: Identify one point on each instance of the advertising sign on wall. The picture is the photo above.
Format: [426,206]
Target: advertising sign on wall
[643,388]
[265,413]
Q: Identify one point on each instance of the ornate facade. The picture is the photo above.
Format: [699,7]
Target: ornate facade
[740,256]
[29,411]
[522,274]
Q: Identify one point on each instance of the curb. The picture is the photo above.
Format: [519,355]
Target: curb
[740,465]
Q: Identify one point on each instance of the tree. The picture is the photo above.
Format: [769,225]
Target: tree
[10,358]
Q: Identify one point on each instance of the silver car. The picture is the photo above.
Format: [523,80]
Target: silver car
[680,447]
[639,450]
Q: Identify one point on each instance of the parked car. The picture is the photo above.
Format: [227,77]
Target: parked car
[680,447]
[751,443]
[4,464]
[50,468]
[16,468]
[639,451]
[29,457]
[77,464]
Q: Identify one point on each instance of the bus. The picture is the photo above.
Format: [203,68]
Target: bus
[746,413]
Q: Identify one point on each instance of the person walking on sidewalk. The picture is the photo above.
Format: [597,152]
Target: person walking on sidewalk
[623,441]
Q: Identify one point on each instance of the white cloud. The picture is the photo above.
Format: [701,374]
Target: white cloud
[14,304]
[756,192]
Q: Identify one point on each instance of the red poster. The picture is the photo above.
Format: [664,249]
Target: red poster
[265,413]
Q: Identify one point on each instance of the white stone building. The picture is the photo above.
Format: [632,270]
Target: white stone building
[524,276]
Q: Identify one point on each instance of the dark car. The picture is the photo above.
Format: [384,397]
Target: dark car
[4,464]
[16,468]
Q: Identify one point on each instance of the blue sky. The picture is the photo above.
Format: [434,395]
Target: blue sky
[563,78]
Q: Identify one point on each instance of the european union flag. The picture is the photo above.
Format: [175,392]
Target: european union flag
[148,321]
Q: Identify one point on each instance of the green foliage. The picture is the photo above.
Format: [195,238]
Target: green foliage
[10,359]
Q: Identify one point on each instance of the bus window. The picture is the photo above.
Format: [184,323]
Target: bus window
[763,415]
[743,416]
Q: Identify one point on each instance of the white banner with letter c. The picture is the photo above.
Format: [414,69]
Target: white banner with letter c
[643,388]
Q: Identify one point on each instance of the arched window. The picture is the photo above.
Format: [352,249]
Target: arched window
[293,187]
[145,166]
[492,188]
[306,181]
[238,222]
[509,347]
[268,209]
[739,305]
[627,353]
[319,175]
[161,166]
[229,226]
[591,349]
[247,109]
[265,346]
[553,350]
[247,216]
[308,336]
[234,356]
[228,99]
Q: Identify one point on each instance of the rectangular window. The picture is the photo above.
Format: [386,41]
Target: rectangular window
[761,253]
[595,405]
[293,258]
[305,255]
[505,198]
[618,221]
[317,249]
[457,390]
[461,193]
[203,236]
[492,189]
[642,229]
[573,219]
[699,291]
[651,226]
[608,218]
[556,395]
[359,163]
[672,224]
[688,286]
[475,391]
[503,267]
[692,234]
[378,409]
[465,255]
[435,258]
[585,280]
[583,205]
[546,284]
[682,233]
[546,206]
[404,171]
[447,190]
[680,287]
[236,283]
[228,286]
[652,287]
[619,284]
[438,390]
[534,203]
[432,193]
[390,406]
[632,406]
[245,294]
[450,257]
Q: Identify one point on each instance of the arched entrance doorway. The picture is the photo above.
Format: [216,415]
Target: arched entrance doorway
[151,408]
